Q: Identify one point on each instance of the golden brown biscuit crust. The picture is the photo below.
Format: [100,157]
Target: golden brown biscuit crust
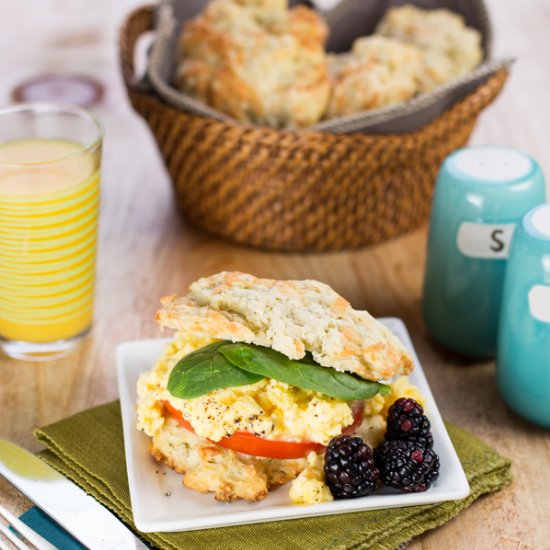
[257,61]
[377,72]
[291,317]
[451,49]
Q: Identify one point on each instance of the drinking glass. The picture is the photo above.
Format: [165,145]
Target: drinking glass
[49,199]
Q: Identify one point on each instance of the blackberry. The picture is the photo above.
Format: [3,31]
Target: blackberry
[406,422]
[350,471]
[405,466]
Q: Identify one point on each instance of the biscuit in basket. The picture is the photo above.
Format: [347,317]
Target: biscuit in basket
[377,72]
[451,49]
[257,61]
[292,317]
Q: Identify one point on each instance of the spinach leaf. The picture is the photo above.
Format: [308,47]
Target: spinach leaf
[206,370]
[302,374]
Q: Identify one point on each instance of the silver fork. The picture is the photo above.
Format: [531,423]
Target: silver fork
[31,538]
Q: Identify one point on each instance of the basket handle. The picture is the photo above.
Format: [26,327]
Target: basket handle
[138,22]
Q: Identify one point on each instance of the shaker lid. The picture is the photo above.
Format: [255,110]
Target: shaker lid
[537,222]
[491,164]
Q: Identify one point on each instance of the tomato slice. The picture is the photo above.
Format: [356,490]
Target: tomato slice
[357,411]
[250,444]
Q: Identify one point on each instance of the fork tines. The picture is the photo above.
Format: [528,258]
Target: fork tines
[29,536]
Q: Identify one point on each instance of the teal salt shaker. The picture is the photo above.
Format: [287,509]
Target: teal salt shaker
[523,359]
[481,194]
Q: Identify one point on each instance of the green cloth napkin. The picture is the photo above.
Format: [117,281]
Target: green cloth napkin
[88,448]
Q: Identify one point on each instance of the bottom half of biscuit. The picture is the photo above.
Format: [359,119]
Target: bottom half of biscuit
[210,468]
[207,467]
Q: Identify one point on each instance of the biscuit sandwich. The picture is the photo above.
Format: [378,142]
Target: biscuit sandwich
[261,375]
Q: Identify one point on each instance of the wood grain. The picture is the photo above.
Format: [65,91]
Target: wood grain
[147,250]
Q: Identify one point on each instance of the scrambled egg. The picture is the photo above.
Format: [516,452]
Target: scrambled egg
[309,487]
[151,386]
[269,408]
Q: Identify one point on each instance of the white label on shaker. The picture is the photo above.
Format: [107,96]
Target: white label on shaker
[539,303]
[485,240]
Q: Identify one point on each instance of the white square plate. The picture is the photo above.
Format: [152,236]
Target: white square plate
[161,503]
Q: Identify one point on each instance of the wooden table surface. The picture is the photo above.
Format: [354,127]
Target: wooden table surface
[146,251]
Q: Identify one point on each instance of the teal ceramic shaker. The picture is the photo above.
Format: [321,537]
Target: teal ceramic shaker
[481,193]
[523,359]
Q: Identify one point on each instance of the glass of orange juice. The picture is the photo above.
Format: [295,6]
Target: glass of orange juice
[49,198]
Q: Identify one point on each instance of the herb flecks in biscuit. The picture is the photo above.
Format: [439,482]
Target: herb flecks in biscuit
[450,48]
[292,317]
[257,61]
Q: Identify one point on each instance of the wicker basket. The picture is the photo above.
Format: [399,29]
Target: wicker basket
[298,190]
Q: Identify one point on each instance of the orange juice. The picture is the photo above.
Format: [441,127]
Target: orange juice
[49,195]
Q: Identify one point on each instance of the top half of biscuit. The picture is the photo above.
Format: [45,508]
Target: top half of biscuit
[292,317]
